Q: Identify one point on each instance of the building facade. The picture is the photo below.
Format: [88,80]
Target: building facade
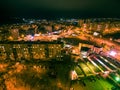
[16,50]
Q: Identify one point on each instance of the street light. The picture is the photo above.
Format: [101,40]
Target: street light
[112,53]
[117,78]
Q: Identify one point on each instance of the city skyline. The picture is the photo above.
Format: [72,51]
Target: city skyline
[59,45]
[61,54]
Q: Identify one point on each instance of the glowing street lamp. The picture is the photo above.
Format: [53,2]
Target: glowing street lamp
[117,78]
[112,53]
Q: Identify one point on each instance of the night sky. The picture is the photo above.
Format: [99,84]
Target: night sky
[59,8]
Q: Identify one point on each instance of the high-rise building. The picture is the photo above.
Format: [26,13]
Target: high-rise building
[14,33]
[26,50]
[81,22]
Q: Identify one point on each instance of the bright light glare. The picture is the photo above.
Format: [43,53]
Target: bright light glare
[32,37]
[95,34]
[112,53]
[68,46]
[117,78]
